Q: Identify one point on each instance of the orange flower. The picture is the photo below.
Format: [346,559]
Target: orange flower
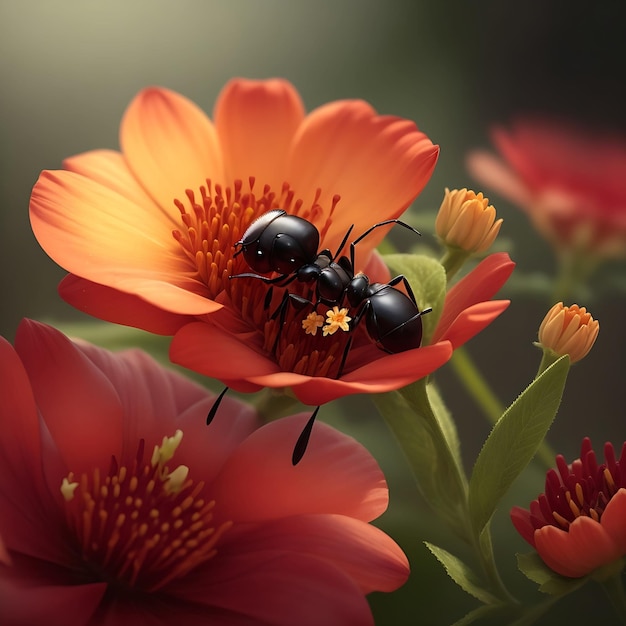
[568,330]
[249,359]
[148,233]
[577,525]
[119,506]
[569,181]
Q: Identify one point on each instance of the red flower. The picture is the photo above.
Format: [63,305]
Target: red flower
[241,358]
[578,524]
[217,527]
[148,233]
[569,181]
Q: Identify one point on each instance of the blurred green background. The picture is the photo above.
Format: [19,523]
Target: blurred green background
[69,69]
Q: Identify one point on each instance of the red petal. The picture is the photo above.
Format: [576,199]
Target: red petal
[577,551]
[336,475]
[74,397]
[277,588]
[388,373]
[211,351]
[612,519]
[369,556]
[481,284]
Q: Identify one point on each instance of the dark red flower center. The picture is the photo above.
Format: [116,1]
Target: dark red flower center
[583,488]
[142,526]
[211,225]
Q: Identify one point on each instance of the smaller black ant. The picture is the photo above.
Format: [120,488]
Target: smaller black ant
[288,245]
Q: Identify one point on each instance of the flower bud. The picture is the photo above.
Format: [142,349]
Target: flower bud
[467,221]
[568,330]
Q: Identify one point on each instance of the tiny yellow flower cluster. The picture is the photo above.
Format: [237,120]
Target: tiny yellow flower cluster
[336,319]
[467,221]
[568,330]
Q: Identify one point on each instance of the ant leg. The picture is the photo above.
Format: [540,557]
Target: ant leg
[401,278]
[343,243]
[265,279]
[374,227]
[216,404]
[357,318]
[281,310]
[303,440]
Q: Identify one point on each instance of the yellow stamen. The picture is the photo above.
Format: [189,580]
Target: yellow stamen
[312,322]
[336,319]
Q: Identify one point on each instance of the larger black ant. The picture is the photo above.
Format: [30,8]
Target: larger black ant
[288,245]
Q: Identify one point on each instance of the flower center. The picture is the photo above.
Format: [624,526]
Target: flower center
[210,228]
[582,489]
[142,526]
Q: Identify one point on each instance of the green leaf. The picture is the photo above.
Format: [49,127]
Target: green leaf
[513,442]
[462,574]
[548,580]
[419,433]
[428,282]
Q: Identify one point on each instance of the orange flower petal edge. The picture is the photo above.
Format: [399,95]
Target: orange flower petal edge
[158,221]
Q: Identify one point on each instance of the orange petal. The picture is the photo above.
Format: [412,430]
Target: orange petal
[98,234]
[311,487]
[377,164]
[170,145]
[118,307]
[255,122]
[109,168]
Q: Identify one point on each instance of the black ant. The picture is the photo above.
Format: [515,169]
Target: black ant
[288,245]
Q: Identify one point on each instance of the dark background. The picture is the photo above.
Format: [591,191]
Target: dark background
[69,69]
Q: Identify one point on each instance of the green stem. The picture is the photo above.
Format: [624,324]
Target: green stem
[574,270]
[476,385]
[413,418]
[453,260]
[272,404]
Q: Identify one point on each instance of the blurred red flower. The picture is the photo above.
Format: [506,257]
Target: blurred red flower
[569,180]
[215,526]
[577,525]
[148,233]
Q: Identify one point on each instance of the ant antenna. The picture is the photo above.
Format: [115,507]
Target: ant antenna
[216,405]
[303,440]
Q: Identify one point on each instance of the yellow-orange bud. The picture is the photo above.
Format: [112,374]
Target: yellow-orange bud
[467,221]
[568,330]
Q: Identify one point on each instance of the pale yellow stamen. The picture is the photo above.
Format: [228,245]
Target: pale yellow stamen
[176,479]
[336,319]
[165,452]
[68,488]
[312,322]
